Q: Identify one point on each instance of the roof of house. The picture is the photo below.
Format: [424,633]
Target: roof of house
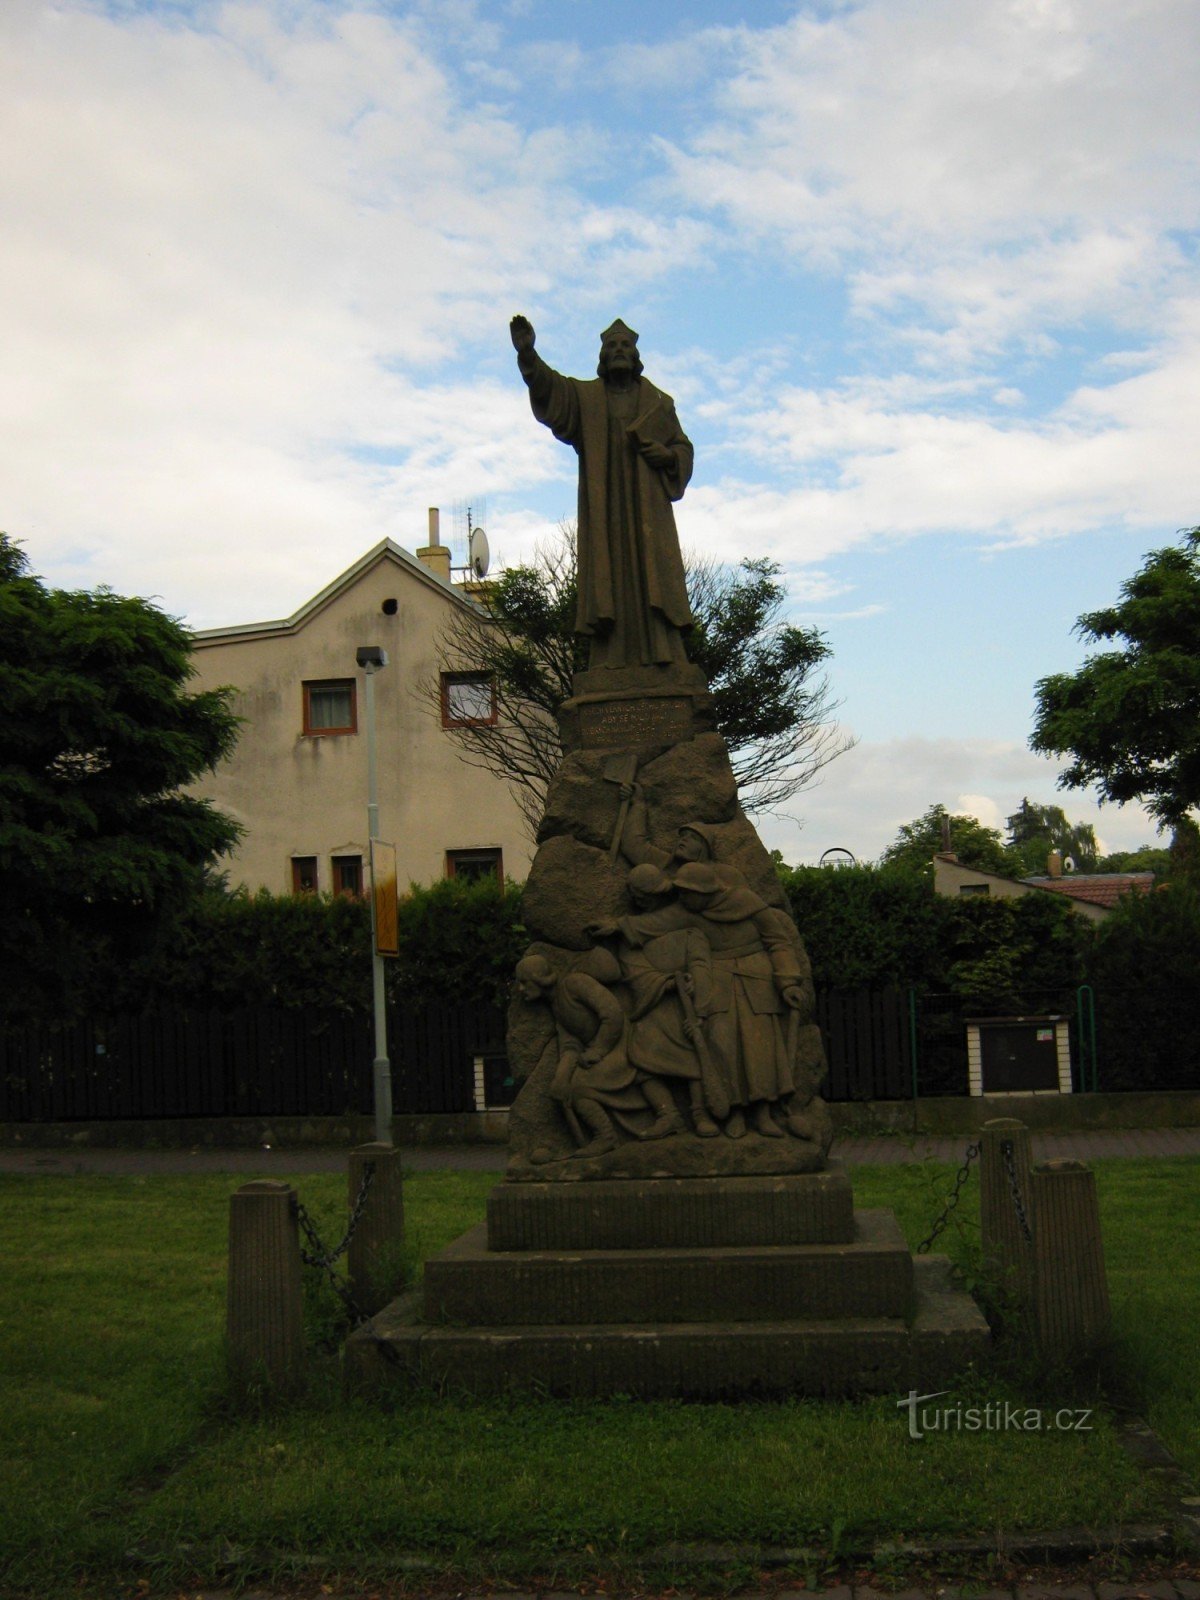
[1099,888]
[385,550]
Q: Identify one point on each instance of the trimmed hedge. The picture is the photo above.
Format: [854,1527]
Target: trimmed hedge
[457,940]
[867,926]
[1145,970]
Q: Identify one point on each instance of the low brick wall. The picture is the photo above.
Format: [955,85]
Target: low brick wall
[950,1115]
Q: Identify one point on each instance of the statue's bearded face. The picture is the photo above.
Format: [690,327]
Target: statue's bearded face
[619,354]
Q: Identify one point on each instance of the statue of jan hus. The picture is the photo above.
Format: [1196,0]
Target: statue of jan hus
[634,462]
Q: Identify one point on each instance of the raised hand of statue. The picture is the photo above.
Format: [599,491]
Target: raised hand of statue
[793,996]
[520,331]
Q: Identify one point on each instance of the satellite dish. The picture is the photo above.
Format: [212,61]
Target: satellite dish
[1068,863]
[478,554]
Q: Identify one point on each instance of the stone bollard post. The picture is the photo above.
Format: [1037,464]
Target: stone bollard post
[1071,1296]
[375,1260]
[264,1319]
[1005,1157]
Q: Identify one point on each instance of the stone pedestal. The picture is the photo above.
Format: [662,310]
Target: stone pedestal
[375,1260]
[263,1324]
[589,1290]
[635,708]
[669,1225]
[1071,1300]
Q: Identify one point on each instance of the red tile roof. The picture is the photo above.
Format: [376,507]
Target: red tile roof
[1100,888]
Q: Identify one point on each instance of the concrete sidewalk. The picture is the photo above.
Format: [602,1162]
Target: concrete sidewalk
[855,1152]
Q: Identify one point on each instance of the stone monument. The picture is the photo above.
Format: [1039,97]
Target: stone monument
[662,1019]
[669,1221]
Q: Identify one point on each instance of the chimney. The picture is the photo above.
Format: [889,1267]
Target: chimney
[435,555]
[1054,864]
[947,850]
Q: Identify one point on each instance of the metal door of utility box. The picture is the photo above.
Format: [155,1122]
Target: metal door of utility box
[1019,1055]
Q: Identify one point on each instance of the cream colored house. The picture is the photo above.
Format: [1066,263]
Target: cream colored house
[297,780]
[1092,894]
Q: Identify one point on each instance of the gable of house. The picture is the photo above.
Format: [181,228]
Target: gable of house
[297,780]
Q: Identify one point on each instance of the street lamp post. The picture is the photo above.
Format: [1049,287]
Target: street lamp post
[370,658]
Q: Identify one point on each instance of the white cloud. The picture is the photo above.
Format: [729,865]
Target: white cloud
[239,251]
[866,796]
[844,466]
[994,168]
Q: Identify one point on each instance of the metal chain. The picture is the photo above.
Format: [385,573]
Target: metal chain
[322,1260]
[319,1257]
[964,1173]
[1006,1150]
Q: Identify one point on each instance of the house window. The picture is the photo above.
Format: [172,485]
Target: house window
[330,706]
[972,888]
[304,874]
[347,876]
[468,699]
[475,864]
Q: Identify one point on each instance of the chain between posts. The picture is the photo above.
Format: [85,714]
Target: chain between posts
[1006,1150]
[964,1172]
[322,1259]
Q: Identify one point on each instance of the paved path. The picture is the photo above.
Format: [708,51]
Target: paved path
[881,1151]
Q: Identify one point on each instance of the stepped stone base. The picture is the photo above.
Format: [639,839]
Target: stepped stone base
[698,1361]
[870,1277]
[669,1213]
[696,1288]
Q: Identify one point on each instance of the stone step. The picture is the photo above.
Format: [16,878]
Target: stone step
[700,1361]
[669,1213]
[869,1277]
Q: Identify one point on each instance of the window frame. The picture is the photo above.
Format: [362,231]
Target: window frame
[495,856]
[298,863]
[357,891]
[308,685]
[449,680]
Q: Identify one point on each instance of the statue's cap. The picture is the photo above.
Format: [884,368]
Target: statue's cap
[618,327]
[698,876]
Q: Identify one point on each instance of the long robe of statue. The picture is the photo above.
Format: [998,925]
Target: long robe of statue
[634,461]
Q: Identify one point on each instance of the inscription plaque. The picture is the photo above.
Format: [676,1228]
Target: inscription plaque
[662,720]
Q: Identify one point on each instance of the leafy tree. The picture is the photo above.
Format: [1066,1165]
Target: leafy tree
[1146,858]
[1129,718]
[1033,831]
[918,842]
[770,700]
[101,736]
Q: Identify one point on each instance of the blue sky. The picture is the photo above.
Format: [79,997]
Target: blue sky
[921,276]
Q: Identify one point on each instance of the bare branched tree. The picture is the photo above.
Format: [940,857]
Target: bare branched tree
[770,701]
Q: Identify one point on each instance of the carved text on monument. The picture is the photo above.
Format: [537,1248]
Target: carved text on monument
[632,722]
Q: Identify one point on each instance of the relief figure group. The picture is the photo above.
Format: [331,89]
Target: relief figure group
[686,1014]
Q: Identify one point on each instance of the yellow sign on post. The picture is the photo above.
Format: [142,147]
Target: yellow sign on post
[386,898]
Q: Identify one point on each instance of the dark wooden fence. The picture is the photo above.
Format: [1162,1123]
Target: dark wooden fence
[867,1043]
[268,1062]
[256,1062]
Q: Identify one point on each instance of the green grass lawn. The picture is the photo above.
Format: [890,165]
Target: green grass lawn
[121,1457]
